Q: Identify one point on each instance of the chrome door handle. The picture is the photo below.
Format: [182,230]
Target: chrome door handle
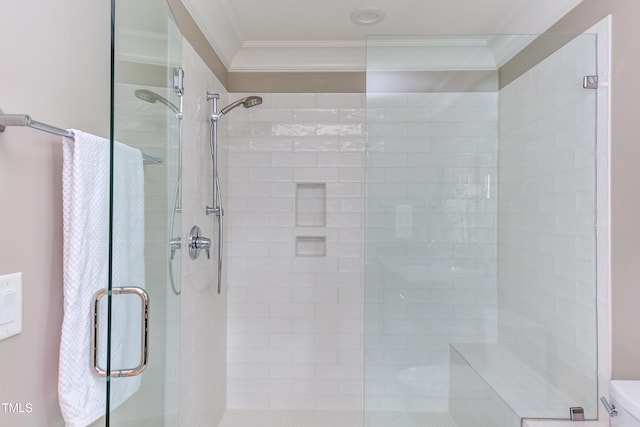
[144,345]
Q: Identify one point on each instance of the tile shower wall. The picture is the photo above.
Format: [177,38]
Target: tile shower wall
[295,252]
[431,241]
[202,311]
[547,265]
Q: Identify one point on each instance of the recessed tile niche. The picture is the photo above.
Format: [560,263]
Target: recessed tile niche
[311,205]
[311,246]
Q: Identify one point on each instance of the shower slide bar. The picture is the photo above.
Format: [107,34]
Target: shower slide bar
[26,120]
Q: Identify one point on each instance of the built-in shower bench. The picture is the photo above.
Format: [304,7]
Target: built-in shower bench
[490,386]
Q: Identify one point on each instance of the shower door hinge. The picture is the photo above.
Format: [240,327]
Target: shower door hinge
[590,82]
[576,413]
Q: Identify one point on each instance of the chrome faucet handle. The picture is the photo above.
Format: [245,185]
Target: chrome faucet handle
[197,243]
[205,244]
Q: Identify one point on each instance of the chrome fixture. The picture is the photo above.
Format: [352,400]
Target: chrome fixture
[590,82]
[198,243]
[144,344]
[216,208]
[248,102]
[576,413]
[175,242]
[152,97]
[609,407]
[178,81]
[26,120]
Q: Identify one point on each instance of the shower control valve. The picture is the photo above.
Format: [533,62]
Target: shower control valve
[197,243]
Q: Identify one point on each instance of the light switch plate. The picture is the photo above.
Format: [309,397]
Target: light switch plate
[10,305]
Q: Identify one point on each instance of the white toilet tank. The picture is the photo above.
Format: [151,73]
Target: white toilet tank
[625,395]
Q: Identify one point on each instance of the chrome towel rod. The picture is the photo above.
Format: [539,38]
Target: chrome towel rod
[26,120]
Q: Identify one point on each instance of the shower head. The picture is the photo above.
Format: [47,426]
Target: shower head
[248,102]
[152,97]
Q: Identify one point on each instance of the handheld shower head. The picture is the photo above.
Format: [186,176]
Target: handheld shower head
[152,97]
[248,102]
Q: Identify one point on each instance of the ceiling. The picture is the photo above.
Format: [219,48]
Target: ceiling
[318,35]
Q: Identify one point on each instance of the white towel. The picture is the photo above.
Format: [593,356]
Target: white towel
[85,188]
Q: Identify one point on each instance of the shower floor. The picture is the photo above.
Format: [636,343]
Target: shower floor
[286,418]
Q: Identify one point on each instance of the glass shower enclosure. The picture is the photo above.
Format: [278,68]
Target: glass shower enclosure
[480,259]
[144,291]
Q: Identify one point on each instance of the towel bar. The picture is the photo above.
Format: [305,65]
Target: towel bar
[26,120]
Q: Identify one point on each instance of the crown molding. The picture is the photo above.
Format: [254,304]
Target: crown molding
[142,46]
[221,28]
[299,56]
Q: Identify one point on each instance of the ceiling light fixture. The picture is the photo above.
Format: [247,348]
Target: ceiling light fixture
[367,16]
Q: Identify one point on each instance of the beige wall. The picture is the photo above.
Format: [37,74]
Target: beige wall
[54,55]
[625,173]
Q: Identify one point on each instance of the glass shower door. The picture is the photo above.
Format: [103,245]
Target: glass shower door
[143,302]
[480,230]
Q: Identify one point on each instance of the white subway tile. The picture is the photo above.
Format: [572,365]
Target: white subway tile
[338,310]
[315,264]
[336,341]
[339,371]
[257,115]
[292,401]
[270,355]
[316,354]
[268,264]
[270,144]
[315,294]
[351,326]
[291,309]
[352,144]
[325,174]
[248,309]
[342,129]
[293,279]
[316,386]
[315,115]
[269,385]
[238,174]
[340,159]
[261,292]
[269,234]
[317,144]
[386,100]
[294,129]
[312,325]
[280,174]
[291,340]
[248,340]
[292,159]
[340,100]
[352,115]
[293,100]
